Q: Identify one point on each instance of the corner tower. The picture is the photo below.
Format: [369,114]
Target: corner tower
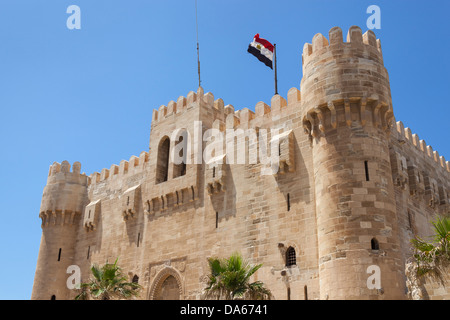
[63,200]
[347,112]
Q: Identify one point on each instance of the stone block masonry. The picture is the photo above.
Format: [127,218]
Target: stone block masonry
[352,187]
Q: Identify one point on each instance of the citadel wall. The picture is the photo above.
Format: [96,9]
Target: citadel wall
[163,220]
[181,222]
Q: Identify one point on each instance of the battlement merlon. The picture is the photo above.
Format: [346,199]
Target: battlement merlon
[193,99]
[355,39]
[344,83]
[65,194]
[132,166]
[61,171]
[405,135]
[231,117]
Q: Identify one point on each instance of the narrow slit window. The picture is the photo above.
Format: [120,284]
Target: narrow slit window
[366,168]
[217,219]
[59,254]
[214,172]
[138,239]
[305,289]
[88,252]
[183,169]
[288,293]
[409,220]
[288,199]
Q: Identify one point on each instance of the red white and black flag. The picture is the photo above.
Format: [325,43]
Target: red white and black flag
[262,49]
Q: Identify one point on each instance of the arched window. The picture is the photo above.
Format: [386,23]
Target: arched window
[180,150]
[162,163]
[135,279]
[291,259]
[53,297]
[374,244]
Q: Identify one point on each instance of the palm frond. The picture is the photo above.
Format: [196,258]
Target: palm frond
[108,282]
[230,279]
[442,229]
[97,272]
[432,258]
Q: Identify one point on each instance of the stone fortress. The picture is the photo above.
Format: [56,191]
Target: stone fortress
[353,187]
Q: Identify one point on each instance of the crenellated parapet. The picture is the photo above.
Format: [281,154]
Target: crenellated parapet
[232,118]
[264,114]
[360,45]
[130,199]
[323,171]
[64,195]
[63,201]
[405,135]
[191,101]
[425,172]
[346,110]
[345,83]
[125,168]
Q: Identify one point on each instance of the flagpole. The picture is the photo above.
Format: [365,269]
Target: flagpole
[198,50]
[275,66]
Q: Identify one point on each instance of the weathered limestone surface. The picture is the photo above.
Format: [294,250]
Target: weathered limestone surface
[351,188]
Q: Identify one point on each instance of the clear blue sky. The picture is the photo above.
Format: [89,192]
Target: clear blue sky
[87,95]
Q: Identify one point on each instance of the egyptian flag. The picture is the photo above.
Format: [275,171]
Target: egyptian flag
[262,49]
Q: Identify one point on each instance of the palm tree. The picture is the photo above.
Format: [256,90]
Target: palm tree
[108,283]
[433,257]
[230,279]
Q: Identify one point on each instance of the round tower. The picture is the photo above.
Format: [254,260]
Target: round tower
[63,200]
[347,111]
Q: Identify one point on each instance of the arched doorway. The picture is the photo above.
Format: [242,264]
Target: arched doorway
[168,290]
[167,286]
